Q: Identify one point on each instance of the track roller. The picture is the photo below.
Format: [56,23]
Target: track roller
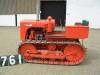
[26,50]
[74,54]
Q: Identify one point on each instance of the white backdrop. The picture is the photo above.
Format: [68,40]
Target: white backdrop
[25,16]
[77,10]
[7,20]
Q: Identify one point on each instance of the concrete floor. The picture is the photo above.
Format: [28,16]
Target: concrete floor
[9,40]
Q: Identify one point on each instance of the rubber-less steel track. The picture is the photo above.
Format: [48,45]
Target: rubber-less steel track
[67,61]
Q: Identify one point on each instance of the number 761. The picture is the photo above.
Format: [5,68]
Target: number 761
[10,60]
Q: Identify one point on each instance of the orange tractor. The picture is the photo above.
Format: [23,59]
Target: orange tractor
[44,42]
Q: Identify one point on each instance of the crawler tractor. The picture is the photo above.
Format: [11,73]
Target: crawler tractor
[44,42]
